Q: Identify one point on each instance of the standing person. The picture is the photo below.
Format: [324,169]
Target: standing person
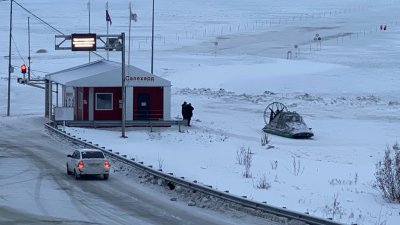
[184,110]
[189,110]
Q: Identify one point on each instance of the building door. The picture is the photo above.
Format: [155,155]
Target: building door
[143,106]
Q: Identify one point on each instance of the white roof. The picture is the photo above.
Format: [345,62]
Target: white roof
[105,73]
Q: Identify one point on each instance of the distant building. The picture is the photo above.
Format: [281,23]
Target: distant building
[94,91]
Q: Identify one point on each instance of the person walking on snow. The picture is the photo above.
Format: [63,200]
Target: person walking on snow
[189,110]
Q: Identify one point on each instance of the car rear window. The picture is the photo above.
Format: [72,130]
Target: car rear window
[92,155]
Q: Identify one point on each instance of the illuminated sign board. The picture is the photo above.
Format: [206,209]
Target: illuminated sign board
[83,42]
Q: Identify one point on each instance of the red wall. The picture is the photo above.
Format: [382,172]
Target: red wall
[114,114]
[156,101]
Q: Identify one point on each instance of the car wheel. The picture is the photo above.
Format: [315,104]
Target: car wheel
[105,176]
[77,176]
[68,172]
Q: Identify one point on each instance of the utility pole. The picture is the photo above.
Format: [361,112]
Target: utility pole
[123,86]
[9,63]
[152,40]
[29,51]
[129,37]
[108,41]
[89,23]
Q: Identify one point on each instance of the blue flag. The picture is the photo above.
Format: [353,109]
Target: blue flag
[108,18]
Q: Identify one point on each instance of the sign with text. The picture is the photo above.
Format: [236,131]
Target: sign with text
[140,78]
[83,42]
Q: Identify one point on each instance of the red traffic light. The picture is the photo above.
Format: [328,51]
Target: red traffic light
[23,68]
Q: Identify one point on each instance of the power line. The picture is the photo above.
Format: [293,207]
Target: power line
[37,17]
[22,58]
[46,23]
[19,53]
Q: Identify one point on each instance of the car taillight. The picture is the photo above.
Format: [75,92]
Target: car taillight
[81,165]
[107,164]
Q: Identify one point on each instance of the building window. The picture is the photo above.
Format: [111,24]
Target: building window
[104,101]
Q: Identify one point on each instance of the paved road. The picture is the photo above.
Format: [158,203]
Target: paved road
[36,190]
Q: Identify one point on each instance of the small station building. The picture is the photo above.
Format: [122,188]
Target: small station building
[94,91]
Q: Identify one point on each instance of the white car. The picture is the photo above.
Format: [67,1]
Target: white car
[88,162]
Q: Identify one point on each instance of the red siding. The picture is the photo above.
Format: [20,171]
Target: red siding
[156,102]
[114,114]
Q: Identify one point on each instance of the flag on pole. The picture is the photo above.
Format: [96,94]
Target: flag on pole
[108,18]
[134,17]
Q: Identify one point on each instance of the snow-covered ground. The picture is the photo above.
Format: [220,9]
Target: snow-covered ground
[346,87]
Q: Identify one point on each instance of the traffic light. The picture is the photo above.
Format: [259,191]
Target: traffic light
[23,68]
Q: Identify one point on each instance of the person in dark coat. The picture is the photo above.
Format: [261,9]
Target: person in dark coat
[189,110]
[184,110]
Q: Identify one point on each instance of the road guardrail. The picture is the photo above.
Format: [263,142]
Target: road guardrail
[205,189]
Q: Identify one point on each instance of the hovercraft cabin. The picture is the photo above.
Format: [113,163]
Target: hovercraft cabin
[94,91]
